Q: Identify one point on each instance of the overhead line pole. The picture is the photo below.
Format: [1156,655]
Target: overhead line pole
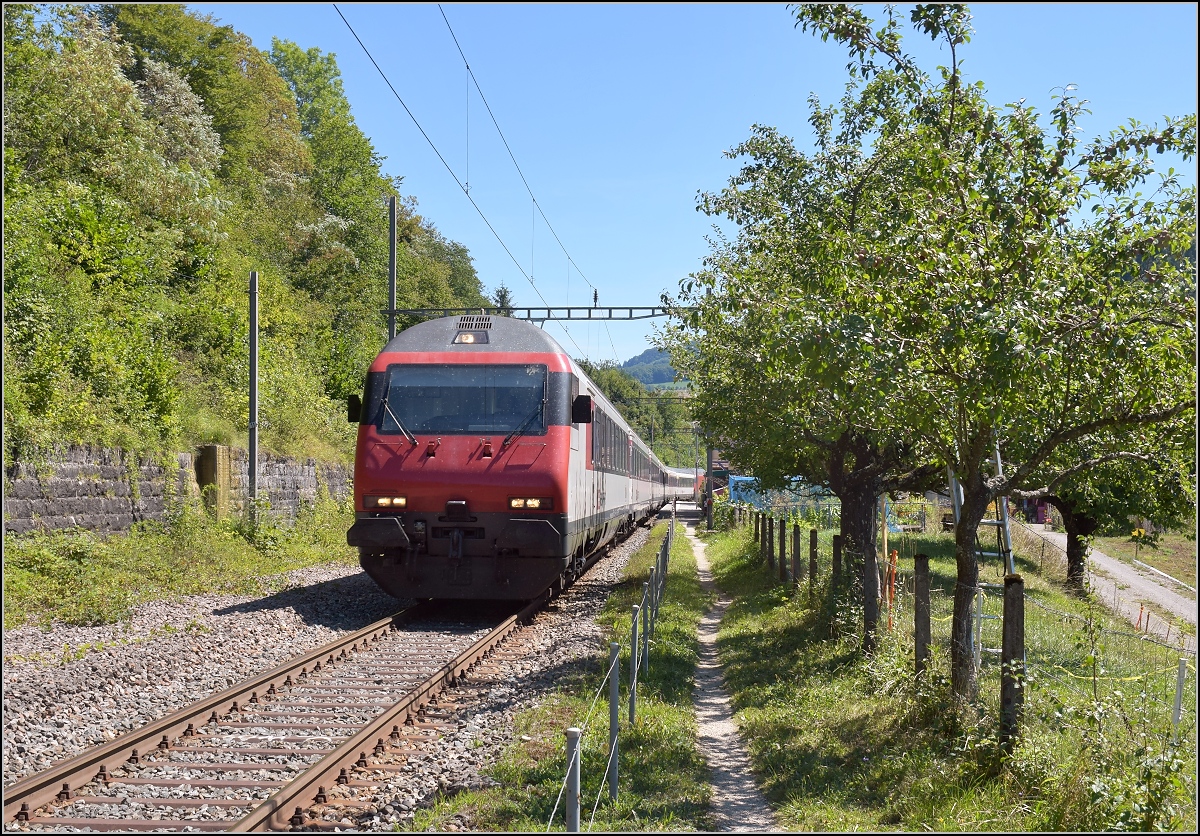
[253,423]
[391,268]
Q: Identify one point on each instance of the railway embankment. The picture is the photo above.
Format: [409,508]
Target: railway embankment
[496,760]
[67,687]
[850,741]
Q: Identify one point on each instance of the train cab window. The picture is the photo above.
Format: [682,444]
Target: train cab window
[462,398]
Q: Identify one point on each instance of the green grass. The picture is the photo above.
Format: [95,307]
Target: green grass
[663,778]
[1174,553]
[846,742]
[80,578]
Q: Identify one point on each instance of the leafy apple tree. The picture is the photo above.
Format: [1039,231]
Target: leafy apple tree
[954,275]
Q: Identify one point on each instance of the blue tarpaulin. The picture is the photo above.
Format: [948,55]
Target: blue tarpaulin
[745,490]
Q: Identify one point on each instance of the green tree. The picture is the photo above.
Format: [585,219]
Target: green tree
[777,405]
[249,103]
[1019,318]
[1148,473]
[663,423]
[106,200]
[998,282]
[503,299]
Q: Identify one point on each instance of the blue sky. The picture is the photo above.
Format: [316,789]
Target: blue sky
[619,115]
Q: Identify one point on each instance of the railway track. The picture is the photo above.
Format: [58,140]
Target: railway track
[267,752]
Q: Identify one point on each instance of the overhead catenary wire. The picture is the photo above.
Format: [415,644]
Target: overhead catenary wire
[537,207]
[508,148]
[449,169]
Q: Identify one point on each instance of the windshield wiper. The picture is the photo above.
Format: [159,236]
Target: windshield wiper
[412,438]
[521,428]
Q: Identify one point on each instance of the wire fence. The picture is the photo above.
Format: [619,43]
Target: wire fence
[1069,658]
[646,610]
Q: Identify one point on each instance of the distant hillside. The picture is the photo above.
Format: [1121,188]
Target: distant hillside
[651,366]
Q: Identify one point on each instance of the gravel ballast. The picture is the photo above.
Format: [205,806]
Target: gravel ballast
[68,688]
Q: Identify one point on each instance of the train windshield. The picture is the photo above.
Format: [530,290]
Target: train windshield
[456,398]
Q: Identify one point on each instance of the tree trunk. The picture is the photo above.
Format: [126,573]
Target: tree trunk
[1079,527]
[962,653]
[859,504]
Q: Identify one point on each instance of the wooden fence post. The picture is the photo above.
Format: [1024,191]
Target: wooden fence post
[812,559]
[769,537]
[797,563]
[921,609]
[783,550]
[1012,662]
[755,515]
[837,562]
[762,539]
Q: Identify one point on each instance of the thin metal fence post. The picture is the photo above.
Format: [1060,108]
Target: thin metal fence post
[1180,681]
[573,780]
[614,715]
[652,598]
[634,656]
[977,646]
[645,663]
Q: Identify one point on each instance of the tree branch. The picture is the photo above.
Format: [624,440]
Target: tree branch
[1052,486]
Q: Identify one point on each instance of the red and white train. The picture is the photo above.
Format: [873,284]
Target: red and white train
[489,466]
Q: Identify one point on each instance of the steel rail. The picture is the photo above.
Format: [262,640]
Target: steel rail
[60,782]
[30,793]
[301,793]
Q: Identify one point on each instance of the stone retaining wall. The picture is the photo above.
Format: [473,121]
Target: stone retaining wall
[106,490]
[286,483]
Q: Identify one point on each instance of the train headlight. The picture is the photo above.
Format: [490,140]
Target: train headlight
[385,501]
[534,503]
[470,337]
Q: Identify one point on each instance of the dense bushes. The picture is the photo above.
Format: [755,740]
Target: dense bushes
[152,159]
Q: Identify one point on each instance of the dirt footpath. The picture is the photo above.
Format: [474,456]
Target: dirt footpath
[737,804]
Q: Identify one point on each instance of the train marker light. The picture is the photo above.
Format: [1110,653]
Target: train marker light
[487,449]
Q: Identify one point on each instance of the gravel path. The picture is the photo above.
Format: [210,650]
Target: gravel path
[1124,588]
[737,804]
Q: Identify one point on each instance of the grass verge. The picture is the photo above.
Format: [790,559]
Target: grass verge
[80,578]
[846,742]
[663,779]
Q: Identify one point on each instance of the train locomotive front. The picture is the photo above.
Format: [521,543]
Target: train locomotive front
[476,474]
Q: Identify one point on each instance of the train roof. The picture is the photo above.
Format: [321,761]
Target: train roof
[503,334]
